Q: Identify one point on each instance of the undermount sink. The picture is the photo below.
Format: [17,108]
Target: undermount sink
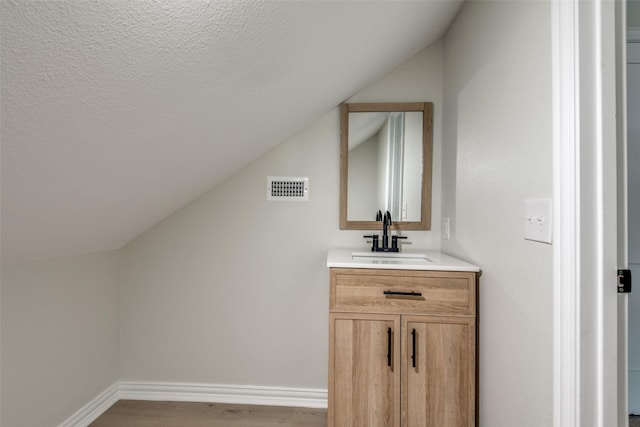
[397,257]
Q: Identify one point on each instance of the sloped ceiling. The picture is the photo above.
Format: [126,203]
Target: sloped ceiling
[114,114]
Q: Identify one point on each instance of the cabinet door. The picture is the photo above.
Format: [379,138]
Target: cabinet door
[438,374]
[364,387]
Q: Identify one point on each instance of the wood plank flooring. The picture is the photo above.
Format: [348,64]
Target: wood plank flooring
[140,413]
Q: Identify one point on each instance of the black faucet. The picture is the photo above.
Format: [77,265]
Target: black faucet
[386,222]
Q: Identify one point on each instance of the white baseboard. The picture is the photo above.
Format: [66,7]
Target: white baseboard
[195,392]
[249,395]
[92,410]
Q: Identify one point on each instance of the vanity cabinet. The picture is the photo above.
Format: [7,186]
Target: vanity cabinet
[402,348]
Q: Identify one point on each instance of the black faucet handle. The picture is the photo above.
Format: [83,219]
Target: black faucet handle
[374,244]
[394,241]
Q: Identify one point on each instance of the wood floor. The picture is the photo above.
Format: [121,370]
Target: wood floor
[139,413]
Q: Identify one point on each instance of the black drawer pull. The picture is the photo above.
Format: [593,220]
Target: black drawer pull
[403,293]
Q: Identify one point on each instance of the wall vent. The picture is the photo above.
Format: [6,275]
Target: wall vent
[282,188]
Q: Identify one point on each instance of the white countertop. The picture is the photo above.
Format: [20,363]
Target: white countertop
[405,260]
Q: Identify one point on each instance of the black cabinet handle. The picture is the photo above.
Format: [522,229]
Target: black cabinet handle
[413,350]
[389,333]
[404,293]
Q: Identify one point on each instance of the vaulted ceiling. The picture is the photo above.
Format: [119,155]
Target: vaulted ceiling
[114,114]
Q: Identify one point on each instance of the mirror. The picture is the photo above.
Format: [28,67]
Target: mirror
[385,164]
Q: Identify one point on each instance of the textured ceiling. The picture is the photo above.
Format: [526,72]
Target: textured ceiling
[114,114]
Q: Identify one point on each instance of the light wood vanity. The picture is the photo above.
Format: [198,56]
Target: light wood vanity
[402,345]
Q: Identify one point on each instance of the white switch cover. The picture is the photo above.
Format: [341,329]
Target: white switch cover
[537,220]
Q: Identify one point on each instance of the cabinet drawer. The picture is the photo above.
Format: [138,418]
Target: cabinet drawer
[403,291]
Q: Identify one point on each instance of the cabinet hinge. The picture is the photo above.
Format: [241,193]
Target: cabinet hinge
[624,281]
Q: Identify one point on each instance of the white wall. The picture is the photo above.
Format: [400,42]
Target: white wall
[497,152]
[362,206]
[60,333]
[232,289]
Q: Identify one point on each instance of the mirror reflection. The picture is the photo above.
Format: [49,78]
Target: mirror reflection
[386,164]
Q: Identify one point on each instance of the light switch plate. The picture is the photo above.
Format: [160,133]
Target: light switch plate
[537,220]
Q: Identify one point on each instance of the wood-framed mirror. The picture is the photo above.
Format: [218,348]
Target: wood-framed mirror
[386,152]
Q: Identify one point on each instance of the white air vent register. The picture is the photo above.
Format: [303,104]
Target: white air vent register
[282,188]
